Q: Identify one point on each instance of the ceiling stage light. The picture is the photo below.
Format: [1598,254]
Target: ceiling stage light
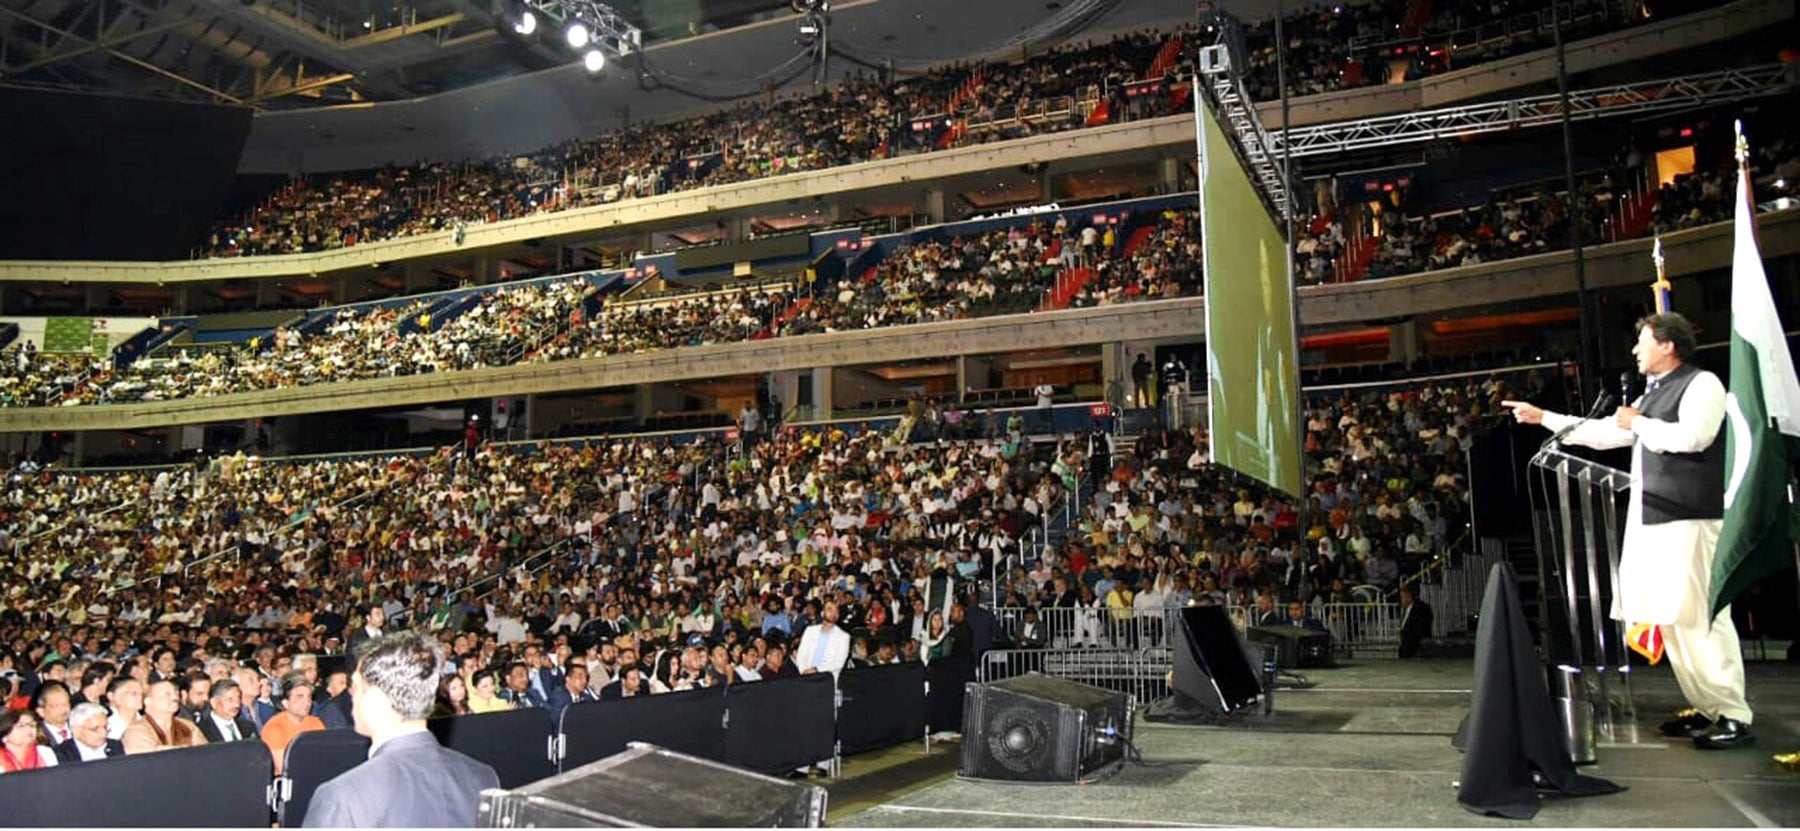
[527,23]
[594,60]
[577,34]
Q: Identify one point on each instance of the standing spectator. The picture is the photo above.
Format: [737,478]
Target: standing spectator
[1046,397]
[824,647]
[1143,391]
[409,780]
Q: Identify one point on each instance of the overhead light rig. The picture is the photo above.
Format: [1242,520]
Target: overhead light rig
[589,29]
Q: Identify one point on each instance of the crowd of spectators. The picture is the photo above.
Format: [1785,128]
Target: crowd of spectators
[863,118]
[856,120]
[1002,271]
[656,566]
[1348,45]
[1517,226]
[30,378]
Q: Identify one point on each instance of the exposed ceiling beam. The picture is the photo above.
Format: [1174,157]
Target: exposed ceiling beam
[93,46]
[128,58]
[404,30]
[299,87]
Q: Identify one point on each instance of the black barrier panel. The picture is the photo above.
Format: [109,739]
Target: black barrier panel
[515,743]
[779,725]
[212,786]
[883,706]
[690,722]
[314,759]
[944,702]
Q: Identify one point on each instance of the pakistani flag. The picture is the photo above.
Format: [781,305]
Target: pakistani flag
[1763,411]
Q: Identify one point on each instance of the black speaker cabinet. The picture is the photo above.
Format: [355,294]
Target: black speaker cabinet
[647,786]
[1295,648]
[1212,673]
[1035,728]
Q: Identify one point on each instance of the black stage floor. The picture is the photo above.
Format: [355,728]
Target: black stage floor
[1368,745]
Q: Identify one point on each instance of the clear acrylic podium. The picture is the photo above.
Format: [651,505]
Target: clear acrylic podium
[1578,537]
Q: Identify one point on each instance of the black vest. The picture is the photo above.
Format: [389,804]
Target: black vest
[1681,485]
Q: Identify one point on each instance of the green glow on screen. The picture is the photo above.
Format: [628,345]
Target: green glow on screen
[1253,375]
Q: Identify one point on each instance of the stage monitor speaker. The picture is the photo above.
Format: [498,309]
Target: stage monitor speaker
[1295,648]
[1213,673]
[1035,728]
[645,785]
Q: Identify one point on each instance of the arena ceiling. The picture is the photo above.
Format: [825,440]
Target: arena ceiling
[282,55]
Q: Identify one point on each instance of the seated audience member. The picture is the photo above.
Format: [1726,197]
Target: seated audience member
[89,742]
[19,743]
[295,718]
[196,692]
[125,698]
[334,709]
[162,727]
[409,780]
[452,697]
[484,694]
[224,720]
[51,704]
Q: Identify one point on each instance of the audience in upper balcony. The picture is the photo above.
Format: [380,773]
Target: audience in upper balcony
[861,118]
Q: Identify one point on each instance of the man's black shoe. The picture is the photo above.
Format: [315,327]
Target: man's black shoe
[1726,733]
[1686,725]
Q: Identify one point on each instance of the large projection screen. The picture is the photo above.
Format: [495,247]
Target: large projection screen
[1252,374]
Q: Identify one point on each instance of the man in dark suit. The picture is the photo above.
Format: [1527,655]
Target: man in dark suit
[333,708]
[409,780]
[629,685]
[1415,622]
[374,618]
[89,743]
[1265,614]
[572,690]
[224,719]
[1298,618]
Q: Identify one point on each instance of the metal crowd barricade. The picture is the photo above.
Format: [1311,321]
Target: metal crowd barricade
[1094,628]
[1372,629]
[1142,673]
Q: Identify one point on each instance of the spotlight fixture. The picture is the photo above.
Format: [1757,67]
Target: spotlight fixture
[594,33]
[577,34]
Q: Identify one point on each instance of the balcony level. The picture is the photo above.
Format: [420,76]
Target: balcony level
[1688,252]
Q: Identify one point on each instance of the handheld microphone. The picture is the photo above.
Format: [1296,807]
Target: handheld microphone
[1625,388]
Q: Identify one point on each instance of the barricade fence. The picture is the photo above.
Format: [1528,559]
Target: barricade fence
[1366,629]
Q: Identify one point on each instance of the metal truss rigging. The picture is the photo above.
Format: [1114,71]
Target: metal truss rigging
[1537,111]
[1224,79]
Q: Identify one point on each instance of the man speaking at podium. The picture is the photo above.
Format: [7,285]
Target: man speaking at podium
[1672,526]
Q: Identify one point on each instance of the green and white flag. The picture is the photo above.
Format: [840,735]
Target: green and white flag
[1763,417]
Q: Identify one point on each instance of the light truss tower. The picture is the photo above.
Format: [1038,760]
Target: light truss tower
[1222,67]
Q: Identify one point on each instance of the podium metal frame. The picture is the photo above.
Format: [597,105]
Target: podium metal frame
[1586,509]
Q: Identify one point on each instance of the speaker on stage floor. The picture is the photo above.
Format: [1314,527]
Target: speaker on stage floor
[1295,648]
[1035,728]
[1214,675]
[645,785]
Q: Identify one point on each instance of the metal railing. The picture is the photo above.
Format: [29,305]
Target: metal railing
[1142,674]
[1369,629]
